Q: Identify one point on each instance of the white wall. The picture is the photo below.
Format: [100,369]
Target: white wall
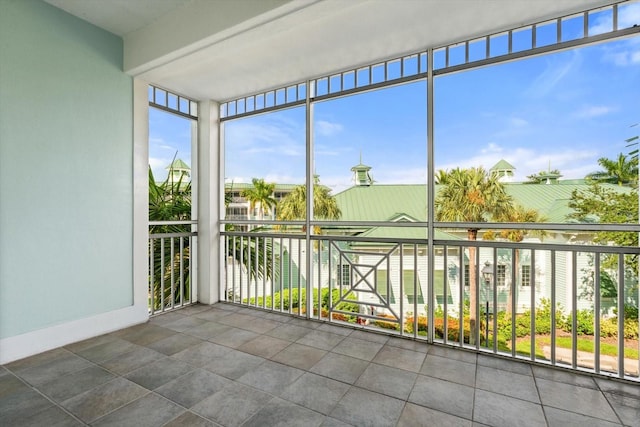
[66,181]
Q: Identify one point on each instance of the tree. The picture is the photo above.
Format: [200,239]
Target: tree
[605,205]
[260,195]
[294,205]
[169,201]
[518,214]
[543,176]
[471,195]
[622,171]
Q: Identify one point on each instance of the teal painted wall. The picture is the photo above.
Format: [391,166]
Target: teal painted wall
[66,159]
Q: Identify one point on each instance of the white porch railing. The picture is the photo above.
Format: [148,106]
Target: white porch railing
[172,246]
[571,306]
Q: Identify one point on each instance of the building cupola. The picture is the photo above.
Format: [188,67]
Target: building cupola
[361,175]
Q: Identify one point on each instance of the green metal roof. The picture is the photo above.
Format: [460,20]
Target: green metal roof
[502,165]
[178,164]
[247,185]
[383,202]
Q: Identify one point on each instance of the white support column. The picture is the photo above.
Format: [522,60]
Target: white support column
[209,197]
[140,194]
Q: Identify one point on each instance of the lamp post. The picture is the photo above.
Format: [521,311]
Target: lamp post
[487,276]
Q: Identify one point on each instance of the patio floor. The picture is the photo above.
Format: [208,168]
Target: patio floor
[232,366]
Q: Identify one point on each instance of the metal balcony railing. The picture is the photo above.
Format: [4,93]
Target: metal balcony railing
[172,247]
[566,305]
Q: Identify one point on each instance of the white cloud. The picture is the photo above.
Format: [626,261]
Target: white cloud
[518,122]
[326,128]
[590,111]
[556,70]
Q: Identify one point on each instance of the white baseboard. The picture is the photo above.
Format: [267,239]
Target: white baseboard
[25,345]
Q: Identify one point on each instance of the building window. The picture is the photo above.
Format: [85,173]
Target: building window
[382,284]
[344,275]
[413,294]
[501,275]
[526,275]
[466,275]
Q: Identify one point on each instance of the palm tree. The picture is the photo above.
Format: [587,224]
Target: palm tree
[169,201]
[294,205]
[622,170]
[261,195]
[520,214]
[471,195]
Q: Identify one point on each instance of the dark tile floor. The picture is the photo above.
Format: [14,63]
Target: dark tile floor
[232,366]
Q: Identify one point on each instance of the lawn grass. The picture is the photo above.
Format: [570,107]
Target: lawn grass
[523,346]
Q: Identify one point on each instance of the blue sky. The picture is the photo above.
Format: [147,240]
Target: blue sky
[564,110]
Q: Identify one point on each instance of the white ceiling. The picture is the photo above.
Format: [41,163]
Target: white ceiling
[221,49]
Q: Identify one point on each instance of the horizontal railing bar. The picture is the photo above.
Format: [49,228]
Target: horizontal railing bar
[452,243]
[166,235]
[548,226]
[185,222]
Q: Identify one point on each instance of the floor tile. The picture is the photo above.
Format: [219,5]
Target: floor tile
[282,413]
[338,367]
[617,387]
[193,387]
[408,344]
[91,342]
[189,419]
[207,330]
[53,369]
[132,360]
[212,315]
[67,386]
[571,398]
[449,369]
[563,377]
[559,418]
[260,325]
[201,354]
[234,337]
[199,308]
[332,422]
[108,350]
[232,405]
[452,398]
[159,373]
[360,349]
[400,358]
[416,415]
[369,336]
[299,356]
[503,411]
[144,334]
[362,407]
[453,353]
[234,364]
[149,411]
[507,383]
[315,392]
[339,330]
[185,324]
[504,365]
[627,408]
[38,359]
[166,318]
[271,377]
[103,399]
[320,339]
[10,384]
[174,344]
[288,332]
[50,417]
[16,406]
[387,380]
[264,346]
